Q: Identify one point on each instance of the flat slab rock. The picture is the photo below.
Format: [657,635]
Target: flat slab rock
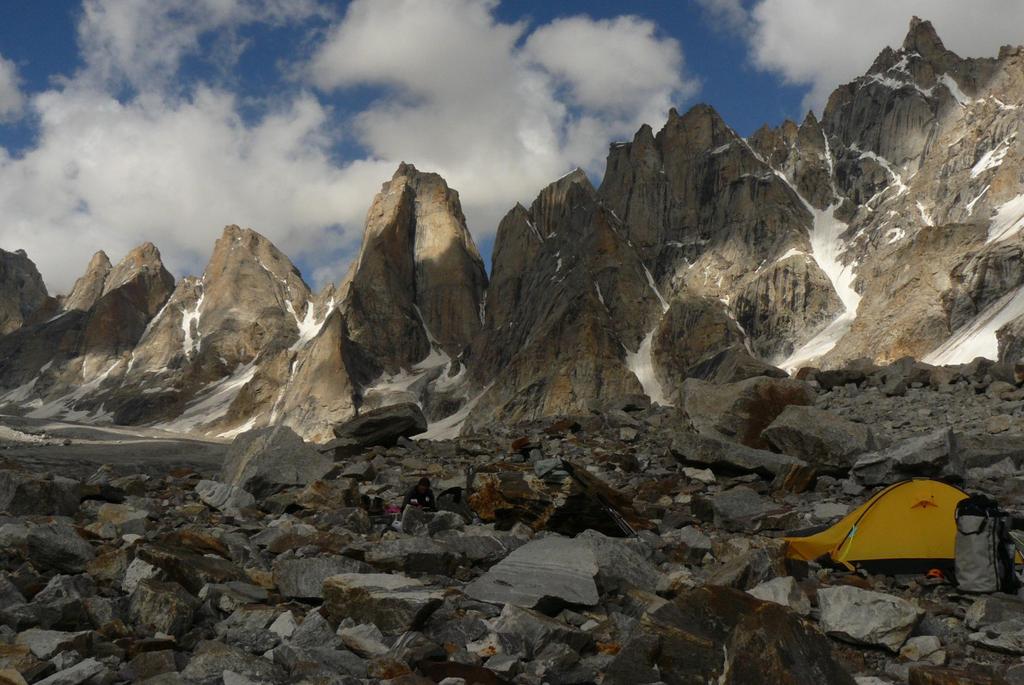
[393,602]
[543,574]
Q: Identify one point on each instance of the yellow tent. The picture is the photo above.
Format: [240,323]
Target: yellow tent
[908,527]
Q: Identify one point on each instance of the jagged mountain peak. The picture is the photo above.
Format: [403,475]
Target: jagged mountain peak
[143,258]
[923,39]
[418,280]
[89,286]
[22,291]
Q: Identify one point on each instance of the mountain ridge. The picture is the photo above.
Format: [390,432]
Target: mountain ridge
[888,227]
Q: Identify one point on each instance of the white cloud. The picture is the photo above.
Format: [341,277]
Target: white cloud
[823,43]
[610,64]
[498,110]
[726,14]
[143,42]
[111,175]
[11,99]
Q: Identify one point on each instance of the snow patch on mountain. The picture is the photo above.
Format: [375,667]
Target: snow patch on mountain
[1008,221]
[978,338]
[641,363]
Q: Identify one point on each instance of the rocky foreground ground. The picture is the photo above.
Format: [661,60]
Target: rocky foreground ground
[284,565]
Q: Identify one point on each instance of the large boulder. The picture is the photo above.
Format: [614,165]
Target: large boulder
[546,574]
[722,456]
[819,437]
[163,606]
[732,365]
[58,546]
[554,572]
[267,460]
[720,635]
[303,578]
[392,602]
[867,617]
[925,455]
[741,411]
[22,493]
[382,426]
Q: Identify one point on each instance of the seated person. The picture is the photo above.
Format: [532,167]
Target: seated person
[420,496]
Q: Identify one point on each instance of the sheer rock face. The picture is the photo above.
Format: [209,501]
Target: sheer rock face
[789,301]
[693,330]
[709,212]
[700,204]
[22,291]
[418,278]
[89,287]
[802,154]
[569,298]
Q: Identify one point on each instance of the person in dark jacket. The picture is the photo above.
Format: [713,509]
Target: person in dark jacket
[420,496]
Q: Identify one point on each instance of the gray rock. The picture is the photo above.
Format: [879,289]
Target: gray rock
[819,437]
[545,574]
[24,494]
[223,497]
[986,611]
[739,509]
[784,591]
[212,658]
[415,521]
[46,643]
[392,602]
[725,457]
[266,460]
[926,455]
[534,630]
[304,578]
[411,555]
[688,544]
[741,411]
[163,606]
[382,426]
[365,639]
[81,672]
[137,571]
[867,617]
[58,546]
[924,648]
[1006,637]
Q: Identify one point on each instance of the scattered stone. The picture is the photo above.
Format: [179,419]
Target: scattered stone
[227,498]
[867,617]
[784,591]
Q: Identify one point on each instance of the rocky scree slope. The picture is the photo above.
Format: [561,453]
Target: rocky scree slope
[281,566]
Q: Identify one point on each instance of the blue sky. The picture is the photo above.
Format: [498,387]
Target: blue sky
[123,121]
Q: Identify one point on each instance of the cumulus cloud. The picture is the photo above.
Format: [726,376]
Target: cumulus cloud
[142,43]
[110,175]
[726,14]
[823,43]
[129,149]
[11,99]
[498,109]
